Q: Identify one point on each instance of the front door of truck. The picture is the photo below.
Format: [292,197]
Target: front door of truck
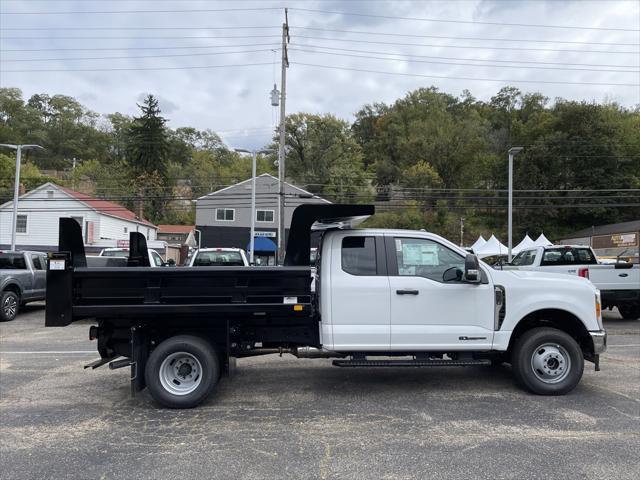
[360,300]
[429,312]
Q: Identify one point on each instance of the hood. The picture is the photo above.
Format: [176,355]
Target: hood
[539,277]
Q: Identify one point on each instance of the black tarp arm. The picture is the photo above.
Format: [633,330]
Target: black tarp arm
[304,216]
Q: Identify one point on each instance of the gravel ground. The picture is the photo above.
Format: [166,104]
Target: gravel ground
[283,417]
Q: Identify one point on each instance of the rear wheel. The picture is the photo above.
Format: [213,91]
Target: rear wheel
[547,361]
[629,312]
[182,371]
[9,306]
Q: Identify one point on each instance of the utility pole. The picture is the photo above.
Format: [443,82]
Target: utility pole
[16,186]
[513,151]
[281,171]
[461,231]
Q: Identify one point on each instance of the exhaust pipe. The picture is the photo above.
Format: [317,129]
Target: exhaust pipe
[299,352]
[313,352]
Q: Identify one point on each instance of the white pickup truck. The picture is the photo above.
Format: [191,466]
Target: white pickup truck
[384,298]
[619,283]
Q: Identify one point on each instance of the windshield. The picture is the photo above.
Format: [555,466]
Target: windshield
[116,253]
[217,259]
[12,261]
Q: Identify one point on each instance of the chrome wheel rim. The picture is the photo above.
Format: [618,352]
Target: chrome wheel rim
[10,307]
[550,363]
[180,373]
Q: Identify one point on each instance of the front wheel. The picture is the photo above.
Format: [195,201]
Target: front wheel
[182,371]
[547,361]
[629,312]
[9,306]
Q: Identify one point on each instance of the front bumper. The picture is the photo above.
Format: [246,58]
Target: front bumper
[599,339]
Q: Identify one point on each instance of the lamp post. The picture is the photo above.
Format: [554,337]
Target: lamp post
[16,186]
[513,151]
[254,155]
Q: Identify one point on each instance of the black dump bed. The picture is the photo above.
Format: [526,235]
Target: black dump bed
[136,292]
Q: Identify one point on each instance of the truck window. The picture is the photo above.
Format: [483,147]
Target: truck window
[568,256]
[419,257]
[157,259]
[359,255]
[526,257]
[218,259]
[12,261]
[37,263]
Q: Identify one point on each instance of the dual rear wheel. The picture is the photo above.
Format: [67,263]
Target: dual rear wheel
[182,371]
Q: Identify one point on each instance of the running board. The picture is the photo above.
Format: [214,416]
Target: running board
[410,363]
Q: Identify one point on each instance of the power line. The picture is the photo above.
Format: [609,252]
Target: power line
[111,37]
[111,69]
[248,27]
[128,12]
[468,22]
[74,49]
[530,49]
[446,77]
[464,59]
[135,56]
[408,59]
[521,40]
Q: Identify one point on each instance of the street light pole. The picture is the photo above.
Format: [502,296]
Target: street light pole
[254,155]
[16,186]
[513,151]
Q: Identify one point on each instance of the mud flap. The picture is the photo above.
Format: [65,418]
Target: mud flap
[139,355]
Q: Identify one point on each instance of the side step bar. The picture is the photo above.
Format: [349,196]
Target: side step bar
[409,363]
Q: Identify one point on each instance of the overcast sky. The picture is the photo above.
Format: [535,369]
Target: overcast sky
[234,100]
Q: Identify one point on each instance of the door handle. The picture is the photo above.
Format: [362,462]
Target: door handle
[623,275]
[407,292]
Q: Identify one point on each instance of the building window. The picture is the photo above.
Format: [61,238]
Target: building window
[125,230]
[225,214]
[264,216]
[49,194]
[21,224]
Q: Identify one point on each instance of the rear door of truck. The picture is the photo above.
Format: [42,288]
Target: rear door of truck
[359,300]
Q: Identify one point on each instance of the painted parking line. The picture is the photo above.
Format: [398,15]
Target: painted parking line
[620,346]
[49,352]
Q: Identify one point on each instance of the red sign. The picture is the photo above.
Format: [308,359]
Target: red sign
[122,244]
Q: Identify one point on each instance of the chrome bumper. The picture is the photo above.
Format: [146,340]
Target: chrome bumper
[599,339]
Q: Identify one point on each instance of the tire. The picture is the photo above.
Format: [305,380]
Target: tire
[9,306]
[547,361]
[629,312]
[182,371]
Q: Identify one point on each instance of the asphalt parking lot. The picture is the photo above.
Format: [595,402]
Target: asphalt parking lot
[283,417]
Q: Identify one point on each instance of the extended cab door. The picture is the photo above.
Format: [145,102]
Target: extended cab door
[359,287]
[39,264]
[429,313]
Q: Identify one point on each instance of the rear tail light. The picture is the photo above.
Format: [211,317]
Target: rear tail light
[583,272]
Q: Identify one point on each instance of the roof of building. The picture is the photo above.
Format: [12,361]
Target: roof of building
[623,227]
[101,206]
[263,175]
[176,228]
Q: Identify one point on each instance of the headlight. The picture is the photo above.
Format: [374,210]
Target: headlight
[599,310]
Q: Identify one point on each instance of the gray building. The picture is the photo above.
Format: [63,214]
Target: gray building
[609,241]
[224,216]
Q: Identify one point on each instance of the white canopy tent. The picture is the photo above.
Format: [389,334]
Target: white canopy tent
[491,247]
[524,244]
[542,241]
[478,243]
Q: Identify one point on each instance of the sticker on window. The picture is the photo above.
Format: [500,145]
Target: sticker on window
[290,300]
[56,265]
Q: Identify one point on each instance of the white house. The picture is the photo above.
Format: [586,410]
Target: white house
[104,224]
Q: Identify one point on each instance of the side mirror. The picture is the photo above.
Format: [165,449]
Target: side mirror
[453,274]
[472,269]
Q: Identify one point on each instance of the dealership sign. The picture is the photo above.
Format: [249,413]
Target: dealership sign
[615,240]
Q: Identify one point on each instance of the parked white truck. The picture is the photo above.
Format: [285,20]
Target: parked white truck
[619,283]
[384,298]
